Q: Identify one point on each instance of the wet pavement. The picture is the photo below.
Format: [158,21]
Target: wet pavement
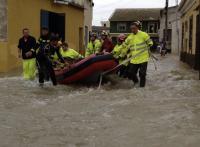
[164,114]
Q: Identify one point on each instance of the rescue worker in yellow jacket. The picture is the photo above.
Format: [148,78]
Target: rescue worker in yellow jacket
[119,53]
[69,54]
[138,44]
[94,46]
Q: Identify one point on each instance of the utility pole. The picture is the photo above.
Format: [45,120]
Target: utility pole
[166,24]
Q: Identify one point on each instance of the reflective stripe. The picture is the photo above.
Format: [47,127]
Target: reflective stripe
[149,40]
[137,49]
[140,44]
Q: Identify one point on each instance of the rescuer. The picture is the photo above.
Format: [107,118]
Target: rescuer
[42,42]
[45,58]
[94,46]
[44,38]
[107,45]
[119,53]
[138,44]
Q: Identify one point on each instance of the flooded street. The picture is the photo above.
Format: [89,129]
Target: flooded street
[164,114]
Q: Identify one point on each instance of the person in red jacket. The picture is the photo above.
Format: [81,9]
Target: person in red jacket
[107,45]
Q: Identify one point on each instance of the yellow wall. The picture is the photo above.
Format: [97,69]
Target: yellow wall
[186,17]
[26,13]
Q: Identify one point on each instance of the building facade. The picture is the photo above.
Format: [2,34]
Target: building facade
[121,19]
[173,31]
[88,15]
[61,17]
[190,46]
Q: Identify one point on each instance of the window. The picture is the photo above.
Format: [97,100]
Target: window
[191,34]
[152,27]
[121,27]
[3,20]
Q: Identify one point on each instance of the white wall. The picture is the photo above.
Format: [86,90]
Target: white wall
[88,17]
[174,24]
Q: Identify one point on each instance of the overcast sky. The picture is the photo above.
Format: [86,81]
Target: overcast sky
[104,8]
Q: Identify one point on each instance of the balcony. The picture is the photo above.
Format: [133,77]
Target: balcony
[78,3]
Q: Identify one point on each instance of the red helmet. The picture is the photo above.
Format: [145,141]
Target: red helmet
[122,37]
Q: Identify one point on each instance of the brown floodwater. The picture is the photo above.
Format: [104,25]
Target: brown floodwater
[164,114]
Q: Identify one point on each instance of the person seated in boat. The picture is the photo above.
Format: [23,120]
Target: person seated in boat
[69,54]
[94,46]
[119,53]
[107,45]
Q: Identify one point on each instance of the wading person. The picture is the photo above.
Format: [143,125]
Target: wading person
[138,44]
[119,53]
[42,42]
[45,58]
[27,51]
[94,46]
[107,45]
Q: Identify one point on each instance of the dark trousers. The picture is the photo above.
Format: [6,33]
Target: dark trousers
[133,70]
[45,69]
[123,71]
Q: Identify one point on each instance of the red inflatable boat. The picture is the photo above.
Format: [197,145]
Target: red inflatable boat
[87,70]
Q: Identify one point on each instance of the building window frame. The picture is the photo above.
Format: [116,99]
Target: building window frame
[152,27]
[121,27]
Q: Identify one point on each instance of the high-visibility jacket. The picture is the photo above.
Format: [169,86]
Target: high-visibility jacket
[93,47]
[119,53]
[70,53]
[135,43]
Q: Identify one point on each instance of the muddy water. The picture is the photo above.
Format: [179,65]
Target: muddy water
[164,114]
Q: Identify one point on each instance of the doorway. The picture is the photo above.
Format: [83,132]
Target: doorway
[55,22]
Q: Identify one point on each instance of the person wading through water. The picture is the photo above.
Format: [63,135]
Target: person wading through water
[27,51]
[137,42]
[45,58]
[42,42]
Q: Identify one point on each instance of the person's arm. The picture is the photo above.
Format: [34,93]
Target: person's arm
[77,55]
[87,53]
[98,46]
[59,55]
[148,40]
